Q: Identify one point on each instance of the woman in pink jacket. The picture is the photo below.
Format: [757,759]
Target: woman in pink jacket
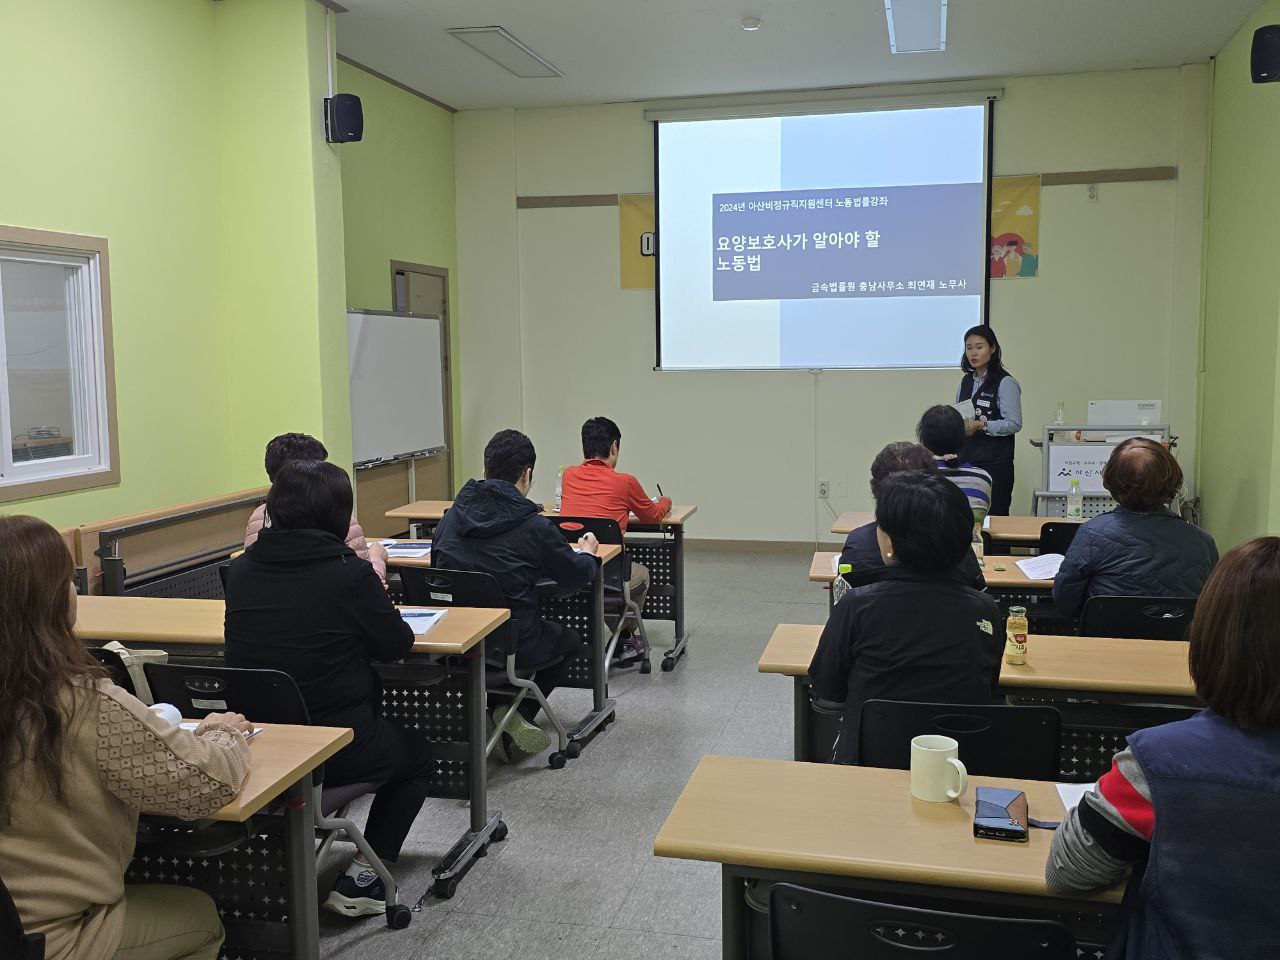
[300,446]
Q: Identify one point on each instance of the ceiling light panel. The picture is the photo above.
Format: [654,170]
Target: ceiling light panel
[916,26]
[506,51]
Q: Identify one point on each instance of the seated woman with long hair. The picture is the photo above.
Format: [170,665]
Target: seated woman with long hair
[1194,806]
[79,758]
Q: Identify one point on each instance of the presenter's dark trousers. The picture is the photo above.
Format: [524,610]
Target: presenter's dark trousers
[1001,486]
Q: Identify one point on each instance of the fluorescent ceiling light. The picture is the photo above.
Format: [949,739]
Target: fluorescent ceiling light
[506,51]
[916,26]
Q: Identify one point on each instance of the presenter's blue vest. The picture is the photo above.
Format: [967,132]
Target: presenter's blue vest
[1210,889]
[982,447]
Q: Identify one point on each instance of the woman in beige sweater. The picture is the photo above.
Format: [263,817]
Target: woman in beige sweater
[79,758]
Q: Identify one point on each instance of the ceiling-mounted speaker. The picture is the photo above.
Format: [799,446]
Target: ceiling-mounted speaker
[1264,61]
[343,118]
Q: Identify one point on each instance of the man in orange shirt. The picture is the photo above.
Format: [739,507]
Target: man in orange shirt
[596,489]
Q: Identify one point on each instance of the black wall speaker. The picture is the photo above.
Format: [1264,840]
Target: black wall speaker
[1265,59]
[343,118]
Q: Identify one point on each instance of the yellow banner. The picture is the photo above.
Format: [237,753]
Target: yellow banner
[635,236]
[1015,227]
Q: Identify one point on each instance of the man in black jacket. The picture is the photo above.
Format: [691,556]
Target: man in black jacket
[494,528]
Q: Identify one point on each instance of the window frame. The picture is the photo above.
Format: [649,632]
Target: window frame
[92,348]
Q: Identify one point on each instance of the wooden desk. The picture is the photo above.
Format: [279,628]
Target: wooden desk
[1105,669]
[663,556]
[860,828]
[161,621]
[286,912]
[607,552]
[821,569]
[1009,531]
[281,756]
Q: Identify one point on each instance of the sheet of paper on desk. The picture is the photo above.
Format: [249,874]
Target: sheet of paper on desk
[986,522]
[421,621]
[408,549]
[1073,793]
[966,409]
[835,563]
[1043,567]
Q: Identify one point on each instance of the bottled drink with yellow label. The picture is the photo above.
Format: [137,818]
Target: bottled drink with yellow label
[1015,636]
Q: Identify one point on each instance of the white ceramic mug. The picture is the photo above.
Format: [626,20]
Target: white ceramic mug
[937,775]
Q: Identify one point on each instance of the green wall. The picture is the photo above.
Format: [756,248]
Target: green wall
[398,198]
[222,207]
[1239,379]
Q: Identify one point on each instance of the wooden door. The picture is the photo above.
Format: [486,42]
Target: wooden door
[423,289]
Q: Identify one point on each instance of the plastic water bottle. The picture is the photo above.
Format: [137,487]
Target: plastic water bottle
[1060,417]
[559,487]
[1075,501]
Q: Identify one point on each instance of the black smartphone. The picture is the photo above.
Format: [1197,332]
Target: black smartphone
[1000,814]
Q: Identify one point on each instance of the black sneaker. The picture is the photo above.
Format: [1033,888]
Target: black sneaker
[359,896]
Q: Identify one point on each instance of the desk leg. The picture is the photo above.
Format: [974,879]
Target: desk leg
[802,722]
[677,601]
[485,826]
[300,841]
[602,708]
[733,915]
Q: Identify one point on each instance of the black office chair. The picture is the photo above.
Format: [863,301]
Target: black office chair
[462,588]
[115,667]
[617,592]
[272,696]
[995,740]
[1138,618]
[14,941]
[1057,537]
[223,569]
[809,924]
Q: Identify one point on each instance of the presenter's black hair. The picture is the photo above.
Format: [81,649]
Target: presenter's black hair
[895,458]
[310,495]
[941,430]
[928,519]
[598,435]
[508,455]
[995,369]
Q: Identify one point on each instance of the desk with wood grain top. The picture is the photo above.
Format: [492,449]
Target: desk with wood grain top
[659,546]
[1101,669]
[860,830]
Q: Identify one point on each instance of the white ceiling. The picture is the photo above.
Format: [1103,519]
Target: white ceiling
[611,50]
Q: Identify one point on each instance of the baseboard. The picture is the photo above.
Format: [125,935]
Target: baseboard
[761,546]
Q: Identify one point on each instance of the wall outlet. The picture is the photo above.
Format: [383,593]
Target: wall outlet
[1092,192]
[824,490]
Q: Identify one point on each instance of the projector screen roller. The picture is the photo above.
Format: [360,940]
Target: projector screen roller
[833,240]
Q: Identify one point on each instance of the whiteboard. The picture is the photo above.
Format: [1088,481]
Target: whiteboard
[397,385]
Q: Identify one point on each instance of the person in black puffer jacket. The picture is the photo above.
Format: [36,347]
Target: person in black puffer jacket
[1141,548]
[494,528]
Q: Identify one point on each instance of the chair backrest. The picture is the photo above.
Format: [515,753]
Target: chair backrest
[606,531]
[1138,618]
[1057,537]
[115,666]
[14,942]
[995,740]
[266,696]
[809,924]
[461,588]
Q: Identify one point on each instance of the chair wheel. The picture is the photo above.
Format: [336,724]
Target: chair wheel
[445,889]
[499,832]
[668,664]
[482,851]
[557,760]
[574,750]
[646,666]
[398,916]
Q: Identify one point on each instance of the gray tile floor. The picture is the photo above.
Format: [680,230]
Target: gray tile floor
[577,879]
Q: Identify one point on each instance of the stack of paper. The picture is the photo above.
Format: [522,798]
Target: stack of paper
[1072,793]
[1043,567]
[421,621]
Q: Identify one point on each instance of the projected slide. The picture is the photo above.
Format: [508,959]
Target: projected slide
[842,240]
